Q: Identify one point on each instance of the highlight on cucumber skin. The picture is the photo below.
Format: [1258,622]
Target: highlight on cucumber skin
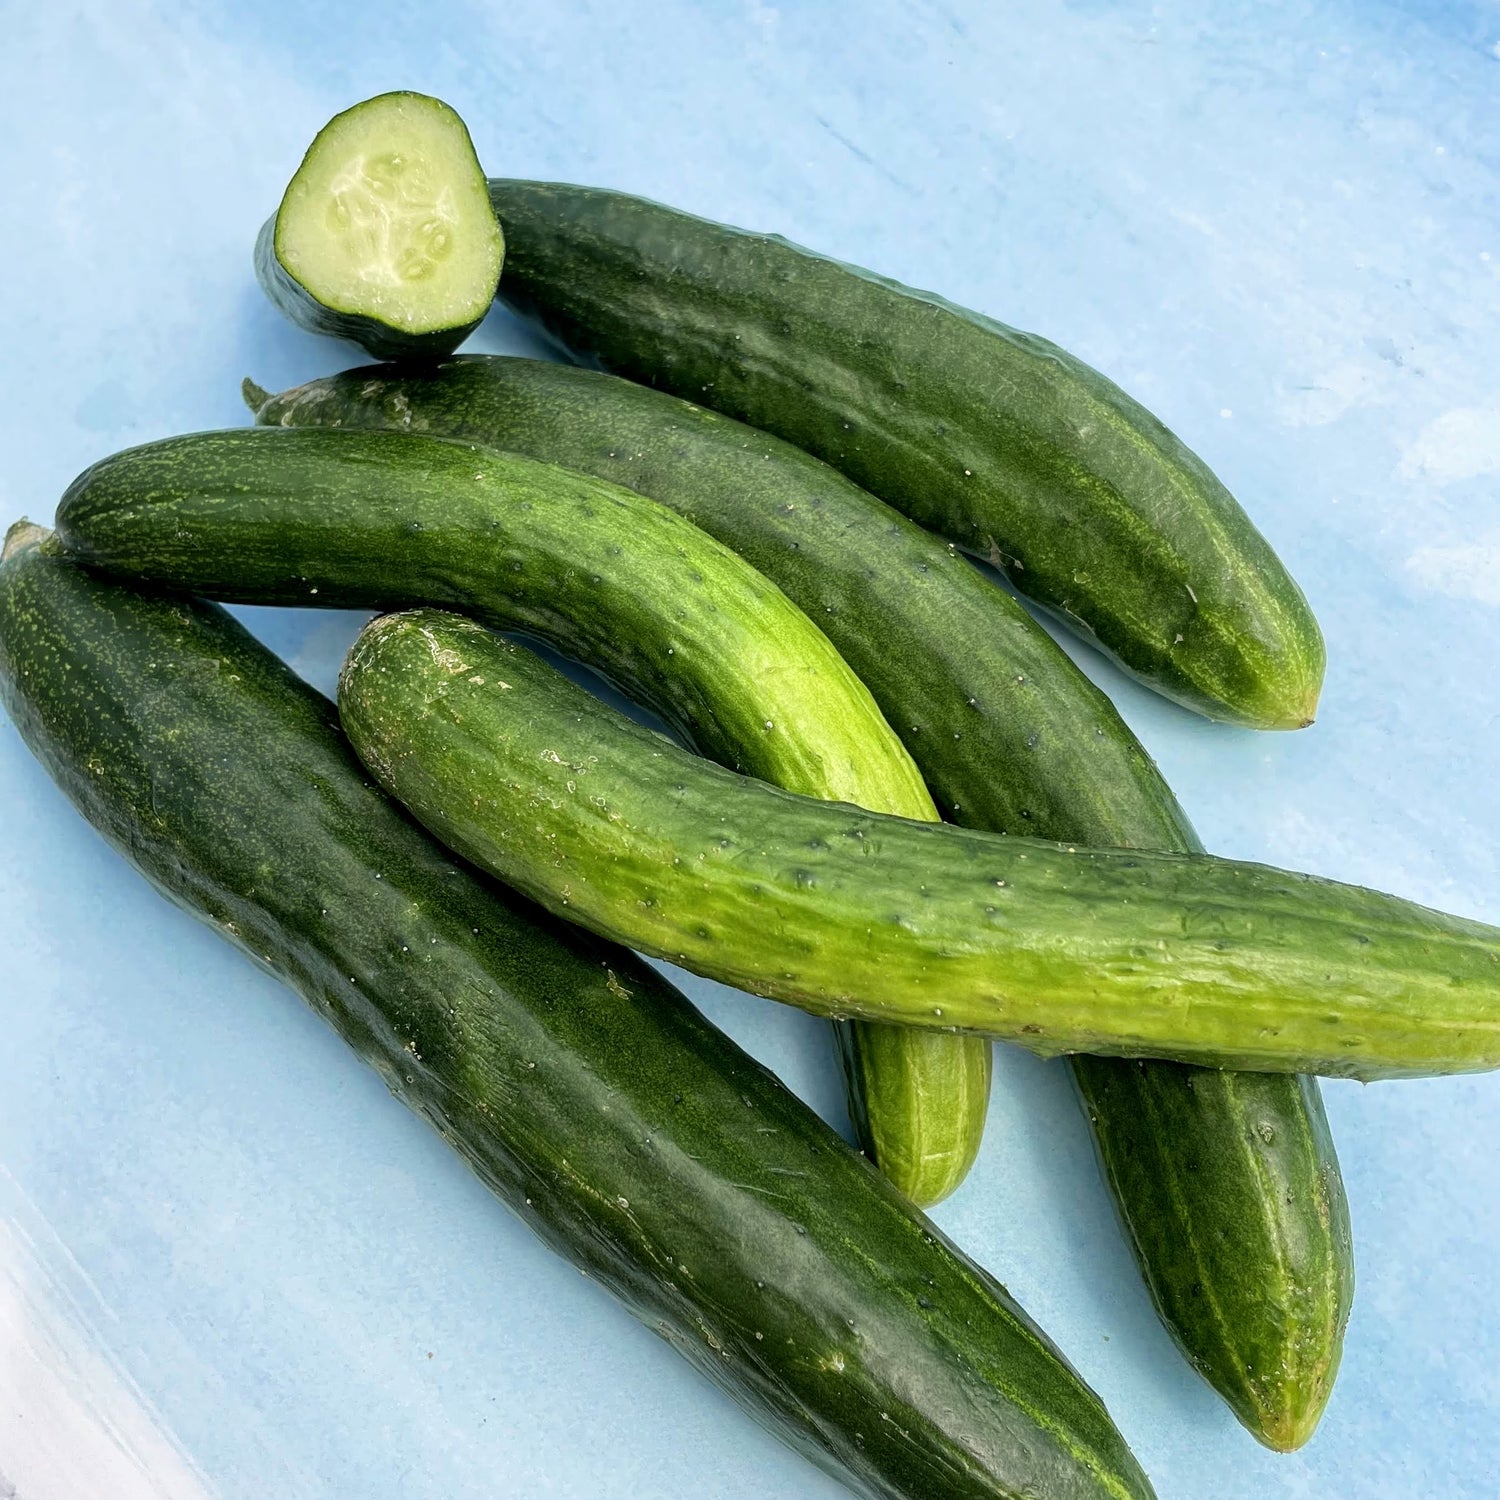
[385,234]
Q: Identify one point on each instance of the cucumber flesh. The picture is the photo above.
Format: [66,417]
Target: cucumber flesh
[385,233]
[626,1131]
[1118,952]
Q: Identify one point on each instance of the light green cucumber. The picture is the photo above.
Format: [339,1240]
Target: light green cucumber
[848,913]
[380,520]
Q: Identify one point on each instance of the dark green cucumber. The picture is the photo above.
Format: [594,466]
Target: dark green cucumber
[379,520]
[1008,733]
[1252,1268]
[382,520]
[999,440]
[636,1139]
[384,235]
[857,914]
[1243,1244]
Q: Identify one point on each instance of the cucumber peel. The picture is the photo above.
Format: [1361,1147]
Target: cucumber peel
[631,1135]
[681,622]
[385,234]
[1061,948]
[997,439]
[1227,1183]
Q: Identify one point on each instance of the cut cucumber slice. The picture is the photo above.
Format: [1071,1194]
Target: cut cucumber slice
[385,234]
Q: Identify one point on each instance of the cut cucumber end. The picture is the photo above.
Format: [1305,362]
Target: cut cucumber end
[387,222]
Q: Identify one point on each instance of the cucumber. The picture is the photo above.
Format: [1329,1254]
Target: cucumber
[1228,1183]
[380,519]
[632,1136]
[1252,1264]
[384,235]
[857,914]
[1008,733]
[997,439]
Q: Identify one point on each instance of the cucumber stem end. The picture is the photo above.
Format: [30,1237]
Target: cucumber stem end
[23,534]
[255,397]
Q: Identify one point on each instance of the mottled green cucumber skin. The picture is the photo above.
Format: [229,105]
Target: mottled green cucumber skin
[296,303]
[997,439]
[1245,1247]
[632,1136]
[382,520]
[851,913]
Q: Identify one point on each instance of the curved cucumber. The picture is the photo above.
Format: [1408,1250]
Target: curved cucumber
[850,913]
[1244,1246]
[381,520]
[999,440]
[1008,733]
[632,1136]
[384,235]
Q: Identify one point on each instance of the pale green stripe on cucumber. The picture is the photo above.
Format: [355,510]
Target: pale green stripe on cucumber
[384,235]
[1227,1183]
[382,520]
[854,914]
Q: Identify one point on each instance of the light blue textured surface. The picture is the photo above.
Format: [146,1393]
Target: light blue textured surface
[222,1245]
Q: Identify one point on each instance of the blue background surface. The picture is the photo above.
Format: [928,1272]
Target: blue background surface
[230,1264]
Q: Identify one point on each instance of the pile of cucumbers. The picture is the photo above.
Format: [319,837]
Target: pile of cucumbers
[890,799]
